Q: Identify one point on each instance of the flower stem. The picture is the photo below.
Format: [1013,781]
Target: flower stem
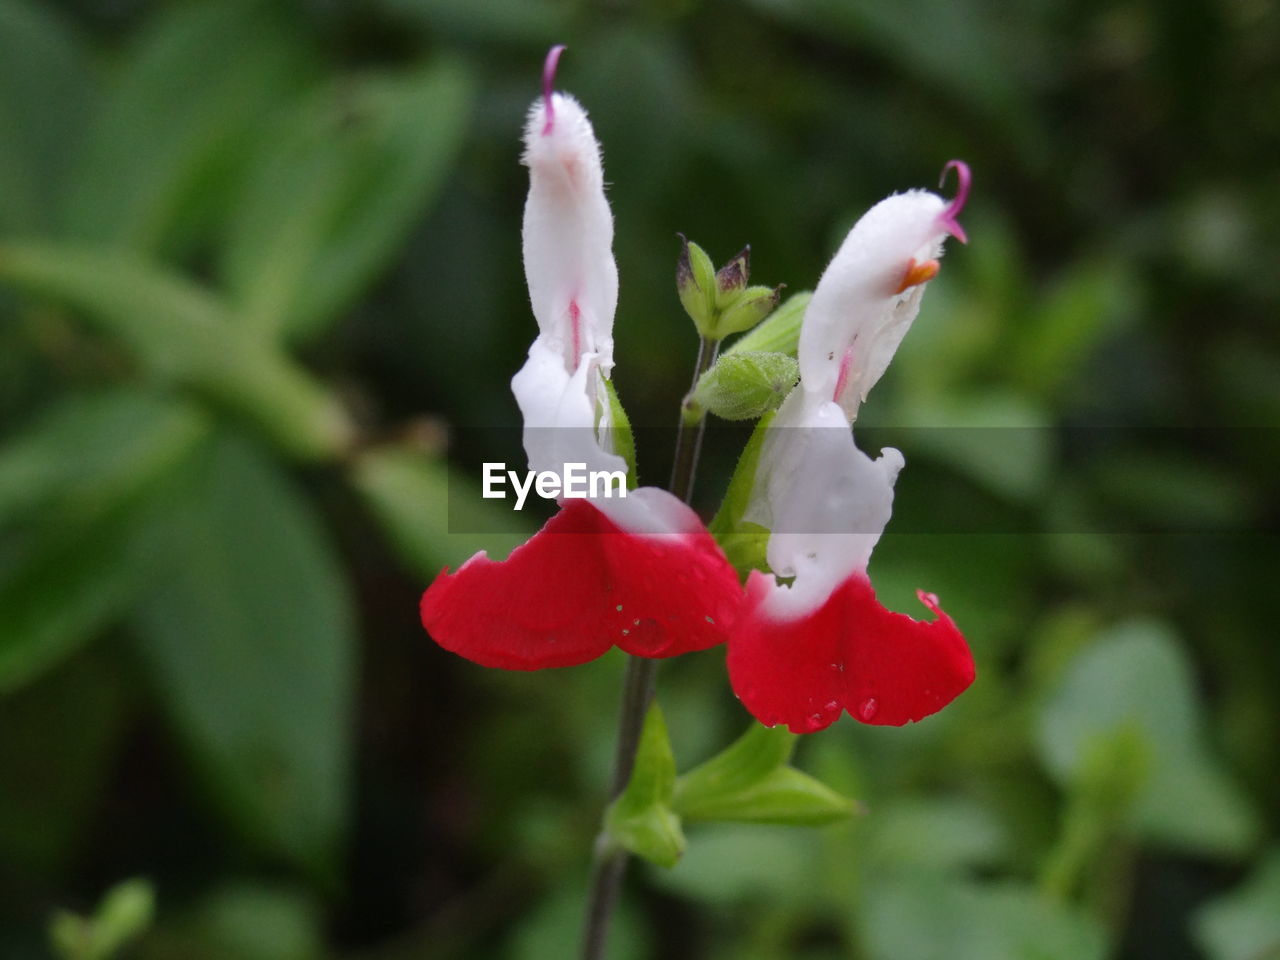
[638,686]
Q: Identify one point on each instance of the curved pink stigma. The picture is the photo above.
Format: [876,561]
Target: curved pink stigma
[963,180]
[548,82]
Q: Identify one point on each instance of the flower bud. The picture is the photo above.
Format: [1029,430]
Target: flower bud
[752,306]
[731,279]
[696,285]
[744,386]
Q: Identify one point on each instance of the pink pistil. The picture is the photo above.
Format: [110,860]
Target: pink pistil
[963,179]
[846,362]
[548,82]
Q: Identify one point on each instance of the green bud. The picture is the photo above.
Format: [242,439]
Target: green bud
[731,279]
[641,819]
[743,386]
[696,285]
[781,332]
[752,306]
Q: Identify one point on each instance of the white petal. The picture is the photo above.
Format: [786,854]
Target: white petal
[825,502]
[560,412]
[568,234]
[856,307]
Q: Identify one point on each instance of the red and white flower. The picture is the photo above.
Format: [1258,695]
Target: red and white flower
[640,572]
[808,650]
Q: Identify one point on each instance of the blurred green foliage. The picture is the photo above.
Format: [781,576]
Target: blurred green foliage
[256,258]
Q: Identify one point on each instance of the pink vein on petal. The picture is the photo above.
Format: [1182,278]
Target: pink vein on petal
[548,82]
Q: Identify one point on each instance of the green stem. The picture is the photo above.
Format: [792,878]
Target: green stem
[637,691]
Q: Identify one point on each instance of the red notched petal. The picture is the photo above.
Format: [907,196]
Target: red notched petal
[580,586]
[850,654]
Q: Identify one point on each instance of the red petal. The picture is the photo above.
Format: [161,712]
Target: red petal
[850,654]
[580,586]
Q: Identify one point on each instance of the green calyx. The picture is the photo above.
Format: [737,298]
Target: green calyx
[744,386]
[719,302]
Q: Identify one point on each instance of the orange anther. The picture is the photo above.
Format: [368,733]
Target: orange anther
[917,273]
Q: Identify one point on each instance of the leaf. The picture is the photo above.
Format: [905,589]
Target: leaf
[418,503]
[45,92]
[76,570]
[1135,680]
[125,913]
[750,782]
[93,449]
[194,86]
[336,192]
[640,819]
[182,333]
[744,543]
[926,917]
[620,433]
[1245,923]
[249,639]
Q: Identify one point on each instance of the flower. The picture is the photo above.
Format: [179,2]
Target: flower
[807,651]
[640,572]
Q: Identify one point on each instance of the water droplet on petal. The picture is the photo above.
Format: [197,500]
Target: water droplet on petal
[832,707]
[618,608]
[868,709]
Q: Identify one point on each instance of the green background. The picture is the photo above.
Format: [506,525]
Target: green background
[258,262]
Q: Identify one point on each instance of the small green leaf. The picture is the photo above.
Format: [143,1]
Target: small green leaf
[744,386]
[125,913]
[641,819]
[744,543]
[778,334]
[624,441]
[750,782]
[746,761]
[183,333]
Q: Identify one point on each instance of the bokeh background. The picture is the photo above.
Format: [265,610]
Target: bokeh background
[259,278]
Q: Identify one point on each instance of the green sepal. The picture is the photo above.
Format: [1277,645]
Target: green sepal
[744,543]
[731,279]
[751,306]
[620,433]
[745,386]
[696,286]
[778,334]
[750,782]
[641,819]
